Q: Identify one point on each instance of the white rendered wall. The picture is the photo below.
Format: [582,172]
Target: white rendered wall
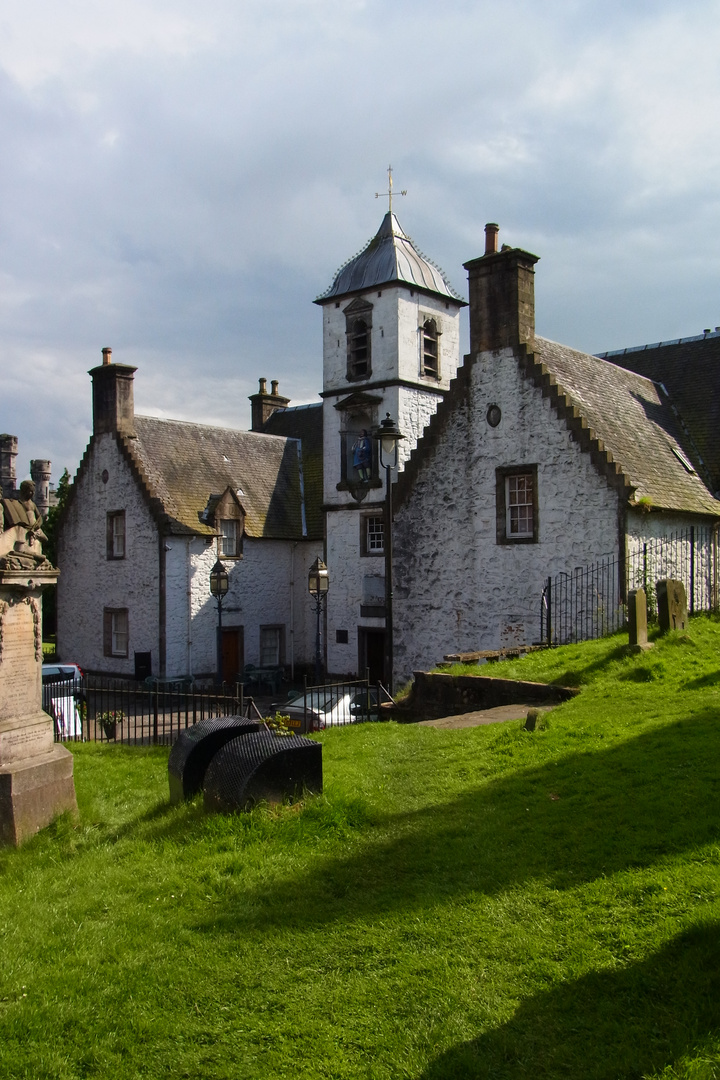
[89,581]
[456,588]
[667,540]
[268,587]
[347,569]
[397,317]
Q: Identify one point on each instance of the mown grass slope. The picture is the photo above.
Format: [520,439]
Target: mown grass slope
[473,903]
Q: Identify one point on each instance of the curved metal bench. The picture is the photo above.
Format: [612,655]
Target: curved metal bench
[262,767]
[194,749]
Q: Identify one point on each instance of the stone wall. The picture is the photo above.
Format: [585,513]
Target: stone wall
[456,588]
[436,694]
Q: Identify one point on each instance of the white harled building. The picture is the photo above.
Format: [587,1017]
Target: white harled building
[391,344]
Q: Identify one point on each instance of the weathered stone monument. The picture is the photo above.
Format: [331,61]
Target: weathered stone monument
[637,621]
[36,775]
[672,605]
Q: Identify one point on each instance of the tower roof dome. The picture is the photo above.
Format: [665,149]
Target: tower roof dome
[390,257]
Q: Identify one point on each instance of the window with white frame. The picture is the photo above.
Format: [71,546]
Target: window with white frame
[229,540]
[271,646]
[517,504]
[115,632]
[116,534]
[373,534]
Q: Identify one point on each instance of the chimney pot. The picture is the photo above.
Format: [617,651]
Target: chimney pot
[491,238]
[274,387]
[263,386]
[107,356]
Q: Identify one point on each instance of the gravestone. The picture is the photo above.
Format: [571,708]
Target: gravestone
[194,749]
[36,775]
[262,767]
[672,605]
[637,621]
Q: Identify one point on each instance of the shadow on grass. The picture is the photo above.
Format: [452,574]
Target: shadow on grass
[609,1025]
[580,674]
[564,824]
[704,681]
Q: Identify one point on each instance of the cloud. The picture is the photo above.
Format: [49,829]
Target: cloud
[181,182]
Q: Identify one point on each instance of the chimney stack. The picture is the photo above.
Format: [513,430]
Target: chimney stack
[502,296]
[40,471]
[491,238]
[113,397]
[263,405]
[8,455]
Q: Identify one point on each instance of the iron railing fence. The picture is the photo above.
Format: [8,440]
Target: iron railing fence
[100,709]
[315,708]
[96,708]
[590,601]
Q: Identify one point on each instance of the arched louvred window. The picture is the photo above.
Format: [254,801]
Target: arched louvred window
[359,350]
[358,326]
[430,349]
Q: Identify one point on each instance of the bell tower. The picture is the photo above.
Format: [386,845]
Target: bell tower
[391,344]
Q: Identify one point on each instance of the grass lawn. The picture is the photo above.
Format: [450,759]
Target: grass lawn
[476,903]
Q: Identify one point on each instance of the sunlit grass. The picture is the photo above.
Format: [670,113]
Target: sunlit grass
[477,903]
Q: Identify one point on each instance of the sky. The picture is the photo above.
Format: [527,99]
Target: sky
[179,181]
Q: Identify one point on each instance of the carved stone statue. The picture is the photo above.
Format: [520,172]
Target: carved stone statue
[20,540]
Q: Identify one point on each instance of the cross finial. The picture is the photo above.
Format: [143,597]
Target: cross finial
[389,192]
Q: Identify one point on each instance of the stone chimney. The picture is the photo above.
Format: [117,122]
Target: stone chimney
[113,399]
[264,404]
[8,456]
[40,470]
[502,296]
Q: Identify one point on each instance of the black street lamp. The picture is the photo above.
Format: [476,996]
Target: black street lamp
[388,435]
[219,584]
[318,582]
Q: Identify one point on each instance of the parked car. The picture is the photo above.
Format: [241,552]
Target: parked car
[63,697]
[321,709]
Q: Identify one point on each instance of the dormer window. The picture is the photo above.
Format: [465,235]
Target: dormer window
[358,325]
[228,517]
[430,349]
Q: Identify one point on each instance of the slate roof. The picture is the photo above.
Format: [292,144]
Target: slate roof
[690,370]
[624,421]
[305,422]
[390,257]
[180,465]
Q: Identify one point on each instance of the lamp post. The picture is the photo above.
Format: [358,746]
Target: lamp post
[388,435]
[219,584]
[318,582]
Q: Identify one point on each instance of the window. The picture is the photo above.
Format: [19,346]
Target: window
[372,534]
[517,504]
[115,632]
[359,350]
[430,349]
[272,642]
[358,326]
[229,540]
[373,597]
[116,535]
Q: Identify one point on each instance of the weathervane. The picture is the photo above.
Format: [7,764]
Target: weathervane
[389,192]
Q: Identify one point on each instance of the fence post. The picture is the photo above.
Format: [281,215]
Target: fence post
[156,691]
[692,569]
[548,612]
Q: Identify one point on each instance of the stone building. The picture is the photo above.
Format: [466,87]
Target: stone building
[154,504]
[40,472]
[539,459]
[391,344]
[526,459]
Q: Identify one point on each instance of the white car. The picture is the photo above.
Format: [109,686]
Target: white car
[322,709]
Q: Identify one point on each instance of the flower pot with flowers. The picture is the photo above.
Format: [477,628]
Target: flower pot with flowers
[109,721]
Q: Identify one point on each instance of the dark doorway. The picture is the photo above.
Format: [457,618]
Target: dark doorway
[233,654]
[143,666]
[371,653]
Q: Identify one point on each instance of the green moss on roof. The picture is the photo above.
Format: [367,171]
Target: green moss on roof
[183,464]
